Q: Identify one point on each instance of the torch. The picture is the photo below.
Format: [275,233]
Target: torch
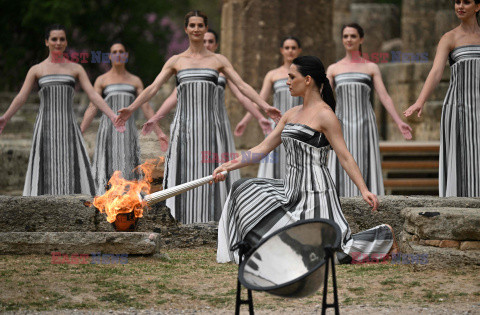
[161,195]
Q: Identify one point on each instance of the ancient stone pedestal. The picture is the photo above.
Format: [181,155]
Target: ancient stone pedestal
[447,235]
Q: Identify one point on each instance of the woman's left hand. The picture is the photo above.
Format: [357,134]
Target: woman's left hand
[123,115]
[371,199]
[406,130]
[274,113]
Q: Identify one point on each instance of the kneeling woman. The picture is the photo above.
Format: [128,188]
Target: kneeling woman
[259,206]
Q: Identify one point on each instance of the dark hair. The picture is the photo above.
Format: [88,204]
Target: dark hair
[477,2]
[196,13]
[292,38]
[214,34]
[359,29]
[313,66]
[54,27]
[119,42]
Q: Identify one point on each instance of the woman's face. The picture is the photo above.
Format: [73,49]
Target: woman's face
[296,82]
[57,42]
[196,28]
[466,8]
[351,39]
[290,50]
[118,55]
[209,42]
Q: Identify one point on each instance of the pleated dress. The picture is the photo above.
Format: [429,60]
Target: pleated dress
[116,151]
[194,138]
[58,163]
[227,138]
[459,169]
[359,127]
[273,166]
[258,207]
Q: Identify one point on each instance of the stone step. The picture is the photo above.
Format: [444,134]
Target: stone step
[69,214]
[443,223]
[441,257]
[130,243]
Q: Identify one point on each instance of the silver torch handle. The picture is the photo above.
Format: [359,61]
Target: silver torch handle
[176,190]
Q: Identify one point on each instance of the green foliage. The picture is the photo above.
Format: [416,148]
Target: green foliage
[91,25]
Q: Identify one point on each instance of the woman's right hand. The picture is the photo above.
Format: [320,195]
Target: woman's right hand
[240,129]
[414,108]
[3,123]
[217,174]
[371,199]
[118,124]
[266,125]
[148,126]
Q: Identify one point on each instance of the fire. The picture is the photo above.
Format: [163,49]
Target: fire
[124,196]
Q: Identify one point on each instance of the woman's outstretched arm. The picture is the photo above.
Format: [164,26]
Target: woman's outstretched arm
[21,97]
[445,45]
[332,130]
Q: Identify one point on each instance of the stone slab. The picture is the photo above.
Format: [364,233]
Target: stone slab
[443,223]
[132,243]
[68,214]
[441,257]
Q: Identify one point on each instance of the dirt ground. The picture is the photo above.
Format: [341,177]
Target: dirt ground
[190,281]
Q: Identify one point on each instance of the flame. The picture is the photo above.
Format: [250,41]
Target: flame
[124,196]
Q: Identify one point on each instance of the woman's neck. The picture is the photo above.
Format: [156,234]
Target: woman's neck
[196,47]
[470,25]
[118,70]
[312,96]
[352,54]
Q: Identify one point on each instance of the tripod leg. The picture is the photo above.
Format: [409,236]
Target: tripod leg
[250,302]
[334,280]
[325,288]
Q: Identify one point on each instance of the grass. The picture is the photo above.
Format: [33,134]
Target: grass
[192,280]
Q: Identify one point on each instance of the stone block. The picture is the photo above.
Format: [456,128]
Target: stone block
[435,243]
[470,245]
[132,243]
[443,223]
[446,257]
[449,244]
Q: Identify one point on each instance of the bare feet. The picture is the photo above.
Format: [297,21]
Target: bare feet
[394,248]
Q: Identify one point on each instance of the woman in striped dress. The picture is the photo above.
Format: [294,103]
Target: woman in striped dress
[117,151]
[354,78]
[194,129]
[227,150]
[459,169]
[290,48]
[58,163]
[258,207]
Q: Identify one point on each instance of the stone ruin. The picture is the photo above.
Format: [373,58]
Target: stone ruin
[447,229]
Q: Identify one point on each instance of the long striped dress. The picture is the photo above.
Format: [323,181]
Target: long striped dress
[355,112]
[274,165]
[115,151]
[58,163]
[459,170]
[195,142]
[227,140]
[258,207]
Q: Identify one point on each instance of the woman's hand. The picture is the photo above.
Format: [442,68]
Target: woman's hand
[124,114]
[266,126]
[148,126]
[3,123]
[119,124]
[371,199]
[406,130]
[414,108]
[163,139]
[240,129]
[217,174]
[273,113]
